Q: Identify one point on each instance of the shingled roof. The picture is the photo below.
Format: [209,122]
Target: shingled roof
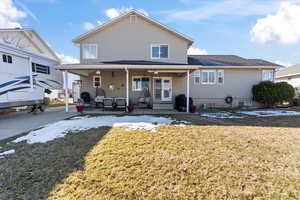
[202,60]
[288,71]
[227,60]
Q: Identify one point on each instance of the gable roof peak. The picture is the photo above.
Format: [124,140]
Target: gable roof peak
[130,12]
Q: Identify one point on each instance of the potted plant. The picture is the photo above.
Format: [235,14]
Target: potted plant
[79,106]
[130,108]
[193,109]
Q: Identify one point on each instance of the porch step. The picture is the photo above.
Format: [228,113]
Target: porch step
[162,106]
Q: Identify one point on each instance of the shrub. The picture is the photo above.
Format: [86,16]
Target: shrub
[269,93]
[284,92]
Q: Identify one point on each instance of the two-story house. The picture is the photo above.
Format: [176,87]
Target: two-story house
[134,54]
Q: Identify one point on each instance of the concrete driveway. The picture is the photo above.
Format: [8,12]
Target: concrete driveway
[21,122]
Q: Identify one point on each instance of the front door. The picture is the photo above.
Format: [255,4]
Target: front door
[163,89]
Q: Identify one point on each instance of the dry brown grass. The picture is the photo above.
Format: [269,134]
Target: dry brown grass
[252,158]
[194,162]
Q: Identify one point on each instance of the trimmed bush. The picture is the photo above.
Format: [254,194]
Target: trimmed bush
[269,93]
[284,91]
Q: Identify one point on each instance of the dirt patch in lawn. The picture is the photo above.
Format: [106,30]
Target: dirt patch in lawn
[210,159]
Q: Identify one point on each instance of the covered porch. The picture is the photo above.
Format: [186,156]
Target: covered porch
[140,86]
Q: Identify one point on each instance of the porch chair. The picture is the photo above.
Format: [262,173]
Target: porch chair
[108,103]
[145,100]
[121,103]
[100,95]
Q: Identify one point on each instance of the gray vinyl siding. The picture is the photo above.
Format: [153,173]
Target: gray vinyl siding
[126,41]
[238,83]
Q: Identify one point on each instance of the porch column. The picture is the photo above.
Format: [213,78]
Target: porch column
[66,91]
[187,90]
[127,87]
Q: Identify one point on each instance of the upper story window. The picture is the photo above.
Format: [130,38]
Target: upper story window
[159,51]
[268,75]
[42,69]
[7,58]
[89,51]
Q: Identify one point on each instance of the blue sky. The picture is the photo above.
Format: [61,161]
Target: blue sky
[267,29]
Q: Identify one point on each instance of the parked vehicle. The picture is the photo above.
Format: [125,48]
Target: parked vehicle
[25,77]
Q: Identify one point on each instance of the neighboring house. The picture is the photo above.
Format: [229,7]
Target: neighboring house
[133,52]
[290,75]
[27,67]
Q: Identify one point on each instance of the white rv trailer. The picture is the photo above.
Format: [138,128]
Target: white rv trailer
[24,77]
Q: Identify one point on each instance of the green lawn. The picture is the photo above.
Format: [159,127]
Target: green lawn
[247,158]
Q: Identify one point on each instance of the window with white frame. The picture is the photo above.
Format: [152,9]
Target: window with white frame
[159,51]
[89,51]
[140,83]
[268,75]
[220,76]
[97,81]
[197,77]
[208,76]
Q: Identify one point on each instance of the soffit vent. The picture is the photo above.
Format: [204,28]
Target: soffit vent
[133,19]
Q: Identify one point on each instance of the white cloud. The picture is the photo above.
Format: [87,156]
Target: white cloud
[112,13]
[116,12]
[282,27]
[88,26]
[285,64]
[67,59]
[10,15]
[210,9]
[196,51]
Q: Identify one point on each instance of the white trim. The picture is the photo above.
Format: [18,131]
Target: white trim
[89,45]
[187,91]
[153,67]
[170,89]
[159,46]
[162,88]
[139,77]
[66,91]
[100,84]
[208,71]
[127,87]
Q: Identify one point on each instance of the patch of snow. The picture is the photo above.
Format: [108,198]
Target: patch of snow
[6,153]
[270,113]
[221,115]
[61,128]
